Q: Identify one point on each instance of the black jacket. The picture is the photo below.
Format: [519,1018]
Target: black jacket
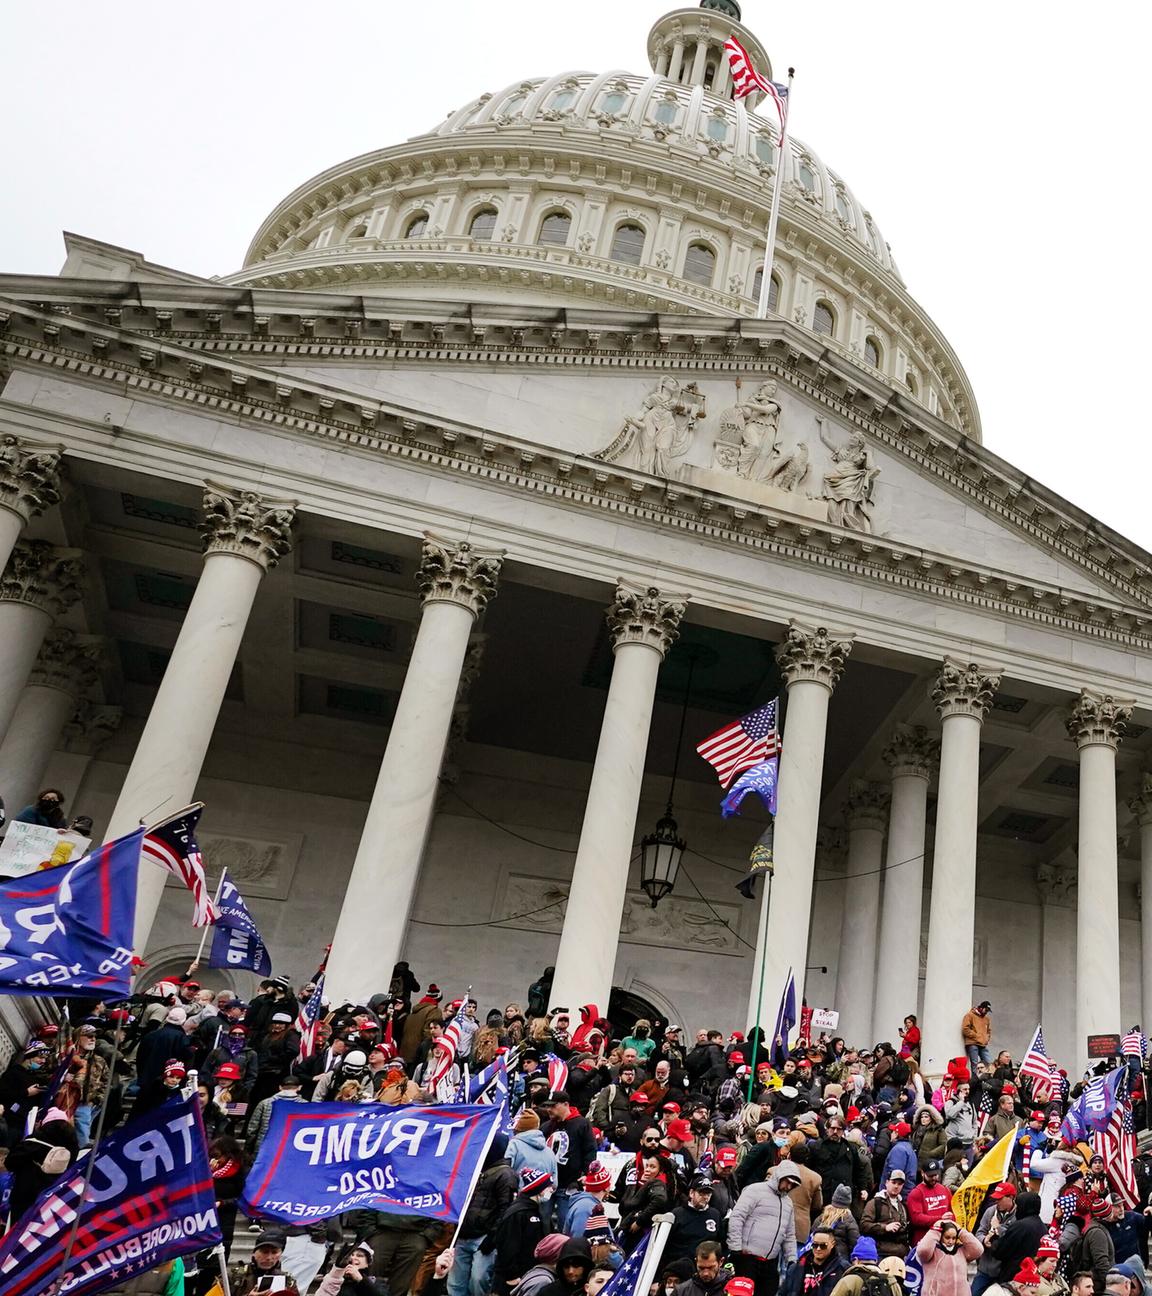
[157,1048]
[574,1249]
[836,1164]
[514,1239]
[690,1227]
[706,1066]
[573,1146]
[492,1196]
[1022,1236]
[796,1281]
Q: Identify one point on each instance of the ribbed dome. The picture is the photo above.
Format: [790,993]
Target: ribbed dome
[691,123]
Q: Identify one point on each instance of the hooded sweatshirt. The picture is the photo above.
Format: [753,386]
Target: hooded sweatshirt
[763,1222]
[1022,1236]
[530,1148]
[574,1249]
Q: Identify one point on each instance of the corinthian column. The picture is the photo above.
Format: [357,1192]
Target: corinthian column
[1141,807]
[456,583]
[963,694]
[1097,724]
[39,583]
[643,625]
[811,661]
[29,483]
[244,535]
[865,813]
[66,669]
[912,755]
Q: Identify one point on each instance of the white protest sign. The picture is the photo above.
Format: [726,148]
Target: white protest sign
[824,1019]
[28,847]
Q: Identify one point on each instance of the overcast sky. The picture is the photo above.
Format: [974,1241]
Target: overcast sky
[1002,148]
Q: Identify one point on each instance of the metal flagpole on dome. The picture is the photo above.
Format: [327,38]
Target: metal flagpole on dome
[774,210]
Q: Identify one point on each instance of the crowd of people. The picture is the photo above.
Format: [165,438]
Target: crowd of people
[816,1170]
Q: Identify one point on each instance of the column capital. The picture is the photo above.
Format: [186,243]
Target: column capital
[68,661]
[42,576]
[912,751]
[1055,883]
[644,615]
[964,688]
[1141,803]
[811,653]
[245,523]
[1098,719]
[454,571]
[91,726]
[29,476]
[867,806]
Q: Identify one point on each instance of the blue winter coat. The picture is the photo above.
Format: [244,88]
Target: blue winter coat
[901,1156]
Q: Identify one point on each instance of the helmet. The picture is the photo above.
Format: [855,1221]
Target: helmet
[229,1071]
[355,1061]
[163,989]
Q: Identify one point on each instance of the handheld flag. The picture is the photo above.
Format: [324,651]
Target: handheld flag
[744,743]
[1039,1068]
[624,1282]
[557,1073]
[1116,1143]
[761,861]
[1134,1044]
[68,930]
[236,943]
[1092,1111]
[993,1168]
[456,1040]
[746,80]
[785,1022]
[172,845]
[307,1018]
[151,1199]
[760,779]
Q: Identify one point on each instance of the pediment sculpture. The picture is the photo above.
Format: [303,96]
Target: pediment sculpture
[749,444]
[849,483]
[660,432]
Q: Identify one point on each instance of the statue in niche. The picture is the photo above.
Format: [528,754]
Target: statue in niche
[849,483]
[661,432]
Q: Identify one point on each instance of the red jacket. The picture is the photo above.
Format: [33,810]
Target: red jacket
[925,1206]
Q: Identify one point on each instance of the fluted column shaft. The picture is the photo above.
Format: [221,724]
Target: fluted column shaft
[864,814]
[245,535]
[677,60]
[65,669]
[811,662]
[1097,725]
[911,755]
[456,582]
[643,624]
[1141,807]
[29,483]
[962,695]
[39,583]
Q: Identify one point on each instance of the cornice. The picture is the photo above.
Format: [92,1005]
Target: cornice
[177,370]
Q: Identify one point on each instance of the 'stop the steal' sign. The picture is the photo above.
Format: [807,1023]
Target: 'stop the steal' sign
[319,1159]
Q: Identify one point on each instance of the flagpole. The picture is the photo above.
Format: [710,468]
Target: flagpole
[760,990]
[204,934]
[774,210]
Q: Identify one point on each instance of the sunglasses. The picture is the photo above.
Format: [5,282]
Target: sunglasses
[821,1246]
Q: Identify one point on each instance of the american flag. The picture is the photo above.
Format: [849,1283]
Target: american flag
[455,1041]
[1117,1145]
[747,742]
[172,845]
[1134,1044]
[557,1073]
[985,1110]
[1040,1068]
[307,1018]
[746,80]
[624,1282]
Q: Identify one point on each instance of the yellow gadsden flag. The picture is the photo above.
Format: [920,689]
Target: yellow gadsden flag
[993,1169]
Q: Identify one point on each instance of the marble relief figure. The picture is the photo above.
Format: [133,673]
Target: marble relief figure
[848,484]
[660,432]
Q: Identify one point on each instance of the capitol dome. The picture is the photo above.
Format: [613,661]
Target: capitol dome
[612,189]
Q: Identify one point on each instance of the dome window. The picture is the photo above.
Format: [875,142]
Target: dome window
[627,244]
[807,177]
[872,353]
[765,150]
[483,224]
[666,111]
[513,106]
[613,104]
[823,319]
[773,289]
[842,208]
[554,229]
[563,100]
[417,226]
[359,230]
[718,129]
[700,264]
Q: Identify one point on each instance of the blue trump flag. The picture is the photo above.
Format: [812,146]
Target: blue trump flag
[320,1159]
[236,943]
[1091,1113]
[760,779]
[68,930]
[151,1199]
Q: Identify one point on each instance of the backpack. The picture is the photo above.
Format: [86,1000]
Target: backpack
[874,1282]
[55,1159]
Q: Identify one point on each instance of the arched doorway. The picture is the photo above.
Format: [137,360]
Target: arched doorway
[626,1008]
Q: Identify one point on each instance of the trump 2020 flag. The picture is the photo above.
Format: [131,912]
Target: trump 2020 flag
[321,1159]
[760,779]
[151,1199]
[68,930]
[236,943]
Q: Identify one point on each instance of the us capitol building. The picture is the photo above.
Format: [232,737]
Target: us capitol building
[419,548]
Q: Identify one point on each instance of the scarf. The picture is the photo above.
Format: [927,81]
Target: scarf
[234,1046]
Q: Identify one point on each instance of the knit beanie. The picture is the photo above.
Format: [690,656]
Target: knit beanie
[865,1250]
[527,1120]
[549,1247]
[842,1195]
[1028,1275]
